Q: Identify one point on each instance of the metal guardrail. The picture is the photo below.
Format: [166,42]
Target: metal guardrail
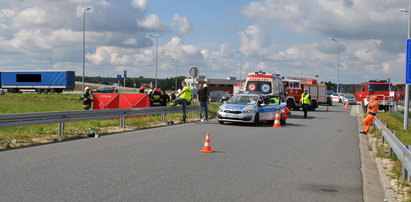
[24,119]
[402,151]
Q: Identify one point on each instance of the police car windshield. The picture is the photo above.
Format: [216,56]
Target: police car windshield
[243,99]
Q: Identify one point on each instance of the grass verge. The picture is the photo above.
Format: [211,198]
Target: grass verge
[36,134]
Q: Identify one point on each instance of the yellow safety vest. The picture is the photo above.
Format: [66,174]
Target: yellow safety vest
[187,93]
[305,98]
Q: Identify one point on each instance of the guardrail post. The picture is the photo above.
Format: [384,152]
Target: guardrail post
[405,174]
[60,131]
[122,122]
[163,117]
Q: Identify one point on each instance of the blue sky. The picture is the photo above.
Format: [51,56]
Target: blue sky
[289,37]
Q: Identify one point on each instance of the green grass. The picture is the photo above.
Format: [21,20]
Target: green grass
[28,103]
[395,123]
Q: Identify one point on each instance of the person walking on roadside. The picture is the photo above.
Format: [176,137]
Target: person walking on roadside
[183,98]
[305,101]
[86,99]
[373,107]
[202,98]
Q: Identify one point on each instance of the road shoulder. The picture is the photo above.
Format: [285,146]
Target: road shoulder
[376,185]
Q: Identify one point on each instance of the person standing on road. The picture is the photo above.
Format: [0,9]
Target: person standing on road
[373,107]
[305,101]
[183,98]
[86,99]
[202,98]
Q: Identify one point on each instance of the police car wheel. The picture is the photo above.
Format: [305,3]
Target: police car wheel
[256,119]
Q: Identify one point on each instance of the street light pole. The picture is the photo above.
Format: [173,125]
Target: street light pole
[241,64]
[407,88]
[156,37]
[338,65]
[84,44]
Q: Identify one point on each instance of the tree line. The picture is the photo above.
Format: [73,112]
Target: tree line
[136,82]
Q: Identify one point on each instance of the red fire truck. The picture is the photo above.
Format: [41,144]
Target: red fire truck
[295,87]
[383,89]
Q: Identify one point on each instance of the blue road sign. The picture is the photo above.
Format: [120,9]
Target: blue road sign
[118,76]
[408,63]
[125,73]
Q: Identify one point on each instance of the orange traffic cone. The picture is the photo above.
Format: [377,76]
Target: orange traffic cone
[277,119]
[346,106]
[207,147]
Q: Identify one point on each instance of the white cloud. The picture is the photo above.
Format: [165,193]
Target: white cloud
[181,23]
[140,4]
[152,22]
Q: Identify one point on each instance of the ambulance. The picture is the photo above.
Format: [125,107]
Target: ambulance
[265,83]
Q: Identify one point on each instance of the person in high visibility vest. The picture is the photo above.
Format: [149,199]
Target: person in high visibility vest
[305,101]
[86,99]
[373,107]
[183,98]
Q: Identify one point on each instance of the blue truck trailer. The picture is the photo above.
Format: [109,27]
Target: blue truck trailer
[52,81]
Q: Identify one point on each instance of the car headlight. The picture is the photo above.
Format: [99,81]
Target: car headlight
[248,110]
[220,109]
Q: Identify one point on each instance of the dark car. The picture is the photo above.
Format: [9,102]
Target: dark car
[219,96]
[106,89]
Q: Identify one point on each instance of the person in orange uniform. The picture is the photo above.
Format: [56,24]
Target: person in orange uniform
[284,113]
[372,112]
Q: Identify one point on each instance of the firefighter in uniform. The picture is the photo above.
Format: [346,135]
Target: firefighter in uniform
[305,101]
[86,99]
[373,106]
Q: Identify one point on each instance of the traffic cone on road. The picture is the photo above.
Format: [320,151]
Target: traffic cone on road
[207,147]
[277,123]
[346,106]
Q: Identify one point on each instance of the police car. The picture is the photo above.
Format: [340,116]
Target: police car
[249,108]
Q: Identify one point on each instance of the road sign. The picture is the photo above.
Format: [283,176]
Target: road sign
[118,76]
[194,72]
[125,73]
[408,63]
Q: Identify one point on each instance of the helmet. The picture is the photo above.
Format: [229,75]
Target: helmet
[86,88]
[155,89]
[142,88]
[373,97]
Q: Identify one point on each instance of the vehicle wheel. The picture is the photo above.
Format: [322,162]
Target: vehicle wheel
[38,91]
[339,101]
[256,119]
[290,104]
[221,122]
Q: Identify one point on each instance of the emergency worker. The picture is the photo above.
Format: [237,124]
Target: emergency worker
[141,90]
[183,98]
[164,98]
[373,106]
[305,101]
[86,99]
[274,100]
[156,97]
[284,113]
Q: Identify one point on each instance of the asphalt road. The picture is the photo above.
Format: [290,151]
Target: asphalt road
[313,159]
